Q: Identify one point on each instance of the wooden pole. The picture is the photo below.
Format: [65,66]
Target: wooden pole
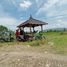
[42,28]
[23,28]
[33,29]
[30,29]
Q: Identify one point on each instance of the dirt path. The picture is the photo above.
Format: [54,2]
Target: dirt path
[30,59]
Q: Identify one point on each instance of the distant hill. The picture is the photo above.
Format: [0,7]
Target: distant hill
[56,29]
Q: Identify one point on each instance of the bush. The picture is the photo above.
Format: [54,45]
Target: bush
[34,43]
[38,42]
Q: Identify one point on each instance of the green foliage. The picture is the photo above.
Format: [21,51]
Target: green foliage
[5,34]
[3,28]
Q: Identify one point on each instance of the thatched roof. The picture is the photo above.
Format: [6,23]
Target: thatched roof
[32,22]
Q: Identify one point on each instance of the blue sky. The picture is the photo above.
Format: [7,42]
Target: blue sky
[14,12]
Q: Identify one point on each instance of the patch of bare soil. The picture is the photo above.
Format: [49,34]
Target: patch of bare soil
[19,56]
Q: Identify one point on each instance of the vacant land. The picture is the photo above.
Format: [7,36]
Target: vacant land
[27,56]
[51,52]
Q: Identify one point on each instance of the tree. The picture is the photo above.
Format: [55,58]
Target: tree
[3,28]
[5,34]
[64,29]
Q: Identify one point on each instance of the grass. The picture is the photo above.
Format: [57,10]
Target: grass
[55,43]
[59,41]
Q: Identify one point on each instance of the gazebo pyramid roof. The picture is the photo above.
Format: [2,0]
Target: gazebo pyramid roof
[32,22]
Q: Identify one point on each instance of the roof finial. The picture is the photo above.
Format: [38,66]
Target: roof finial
[30,16]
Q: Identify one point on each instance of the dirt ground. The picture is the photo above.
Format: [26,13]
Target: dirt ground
[26,56]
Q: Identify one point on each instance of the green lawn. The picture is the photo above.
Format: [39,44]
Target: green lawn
[58,40]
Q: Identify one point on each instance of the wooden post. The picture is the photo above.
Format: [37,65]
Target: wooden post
[30,29]
[23,28]
[33,29]
[42,28]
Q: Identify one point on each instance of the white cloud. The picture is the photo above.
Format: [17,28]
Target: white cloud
[59,23]
[56,13]
[37,0]
[47,5]
[14,3]
[7,21]
[53,7]
[62,23]
[25,4]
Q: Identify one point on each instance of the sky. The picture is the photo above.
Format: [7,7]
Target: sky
[14,12]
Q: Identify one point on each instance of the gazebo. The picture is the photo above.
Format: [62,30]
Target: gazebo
[32,23]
